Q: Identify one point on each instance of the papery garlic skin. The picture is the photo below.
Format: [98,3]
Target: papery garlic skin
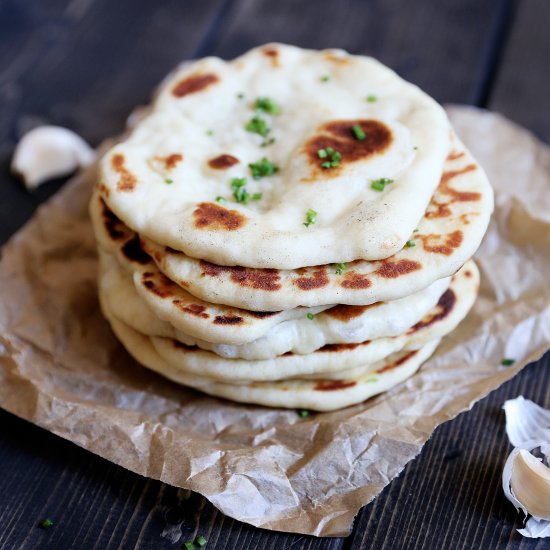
[49,152]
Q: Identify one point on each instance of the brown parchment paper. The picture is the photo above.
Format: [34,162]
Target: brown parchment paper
[61,368]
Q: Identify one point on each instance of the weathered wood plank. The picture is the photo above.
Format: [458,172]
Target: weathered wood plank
[522,87]
[437,45]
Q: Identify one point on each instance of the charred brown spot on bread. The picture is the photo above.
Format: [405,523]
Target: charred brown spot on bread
[194,83]
[263,314]
[335,58]
[193,309]
[222,162]
[104,190]
[444,306]
[126,181]
[355,281]
[468,273]
[339,135]
[260,279]
[333,385]
[170,161]
[133,251]
[273,54]
[397,363]
[209,215]
[311,280]
[455,155]
[441,208]
[158,284]
[113,225]
[345,313]
[390,269]
[335,348]
[228,320]
[439,244]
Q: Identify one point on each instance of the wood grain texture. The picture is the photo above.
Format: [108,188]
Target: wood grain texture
[522,86]
[85,64]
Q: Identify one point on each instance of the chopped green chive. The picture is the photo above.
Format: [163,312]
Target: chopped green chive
[209,132]
[310,316]
[371,98]
[168,180]
[267,105]
[334,157]
[358,132]
[340,268]
[303,413]
[220,200]
[325,78]
[416,230]
[263,168]
[378,185]
[311,218]
[240,193]
[201,541]
[188,545]
[46,523]
[257,125]
[410,244]
[507,362]
[267,142]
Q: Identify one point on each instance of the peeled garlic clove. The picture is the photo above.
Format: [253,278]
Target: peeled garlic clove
[526,483]
[49,152]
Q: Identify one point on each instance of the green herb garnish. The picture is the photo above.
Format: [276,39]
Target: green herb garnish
[46,523]
[371,98]
[310,316]
[201,541]
[507,362]
[240,194]
[378,185]
[325,78]
[240,95]
[371,379]
[334,157]
[257,125]
[188,545]
[416,230]
[410,244]
[303,413]
[220,200]
[209,132]
[358,132]
[311,217]
[263,168]
[340,268]
[267,142]
[168,180]
[267,105]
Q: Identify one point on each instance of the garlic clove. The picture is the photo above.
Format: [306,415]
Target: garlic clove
[49,152]
[530,484]
[527,424]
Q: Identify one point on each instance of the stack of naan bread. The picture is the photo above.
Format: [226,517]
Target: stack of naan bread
[293,228]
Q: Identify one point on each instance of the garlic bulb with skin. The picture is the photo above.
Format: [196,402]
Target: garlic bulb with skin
[49,152]
[525,478]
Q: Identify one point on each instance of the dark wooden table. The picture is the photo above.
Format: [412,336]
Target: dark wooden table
[85,64]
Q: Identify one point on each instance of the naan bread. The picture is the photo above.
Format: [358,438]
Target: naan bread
[451,309]
[170,302]
[337,325]
[201,132]
[317,395]
[448,235]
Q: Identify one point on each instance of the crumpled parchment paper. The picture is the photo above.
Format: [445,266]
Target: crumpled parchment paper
[61,368]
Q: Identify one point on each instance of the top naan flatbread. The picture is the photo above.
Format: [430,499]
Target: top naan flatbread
[206,127]
[445,238]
